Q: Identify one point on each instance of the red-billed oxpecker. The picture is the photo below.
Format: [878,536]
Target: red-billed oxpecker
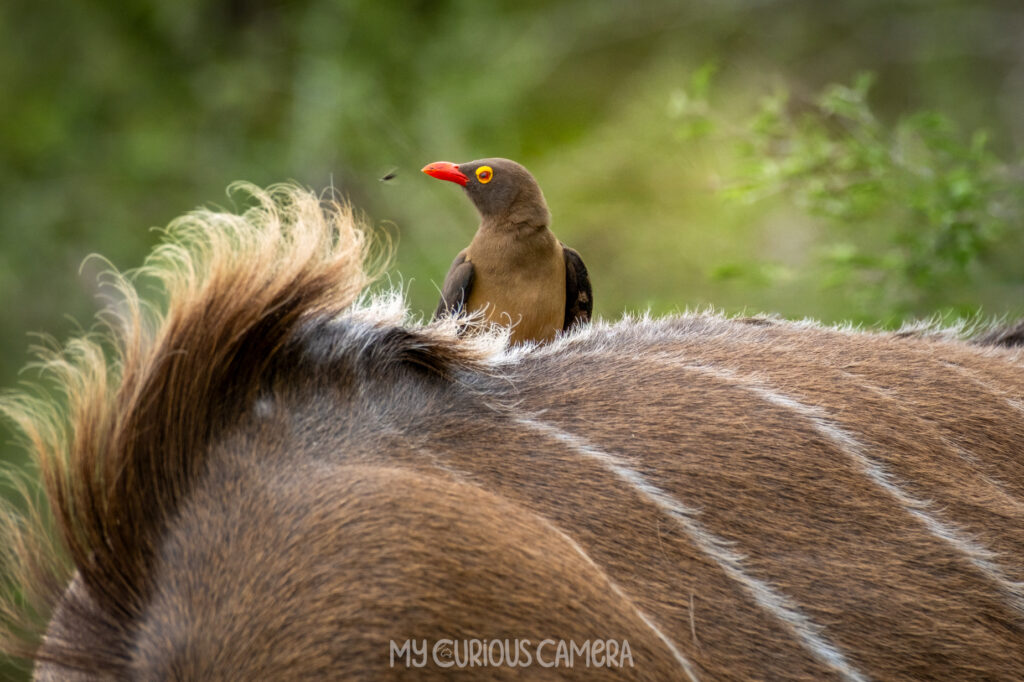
[515,272]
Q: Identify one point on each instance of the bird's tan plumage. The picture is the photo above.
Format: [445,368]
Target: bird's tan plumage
[520,281]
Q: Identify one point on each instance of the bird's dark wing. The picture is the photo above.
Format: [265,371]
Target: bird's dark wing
[457,285]
[1010,336]
[579,299]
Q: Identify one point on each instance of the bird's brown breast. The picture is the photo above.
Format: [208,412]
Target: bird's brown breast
[519,282]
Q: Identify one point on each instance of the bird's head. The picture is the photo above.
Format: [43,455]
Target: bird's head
[503,192]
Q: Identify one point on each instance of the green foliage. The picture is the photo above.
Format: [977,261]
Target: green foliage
[912,207]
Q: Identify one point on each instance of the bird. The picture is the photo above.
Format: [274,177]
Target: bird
[515,271]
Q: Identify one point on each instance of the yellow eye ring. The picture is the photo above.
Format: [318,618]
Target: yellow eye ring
[484,174]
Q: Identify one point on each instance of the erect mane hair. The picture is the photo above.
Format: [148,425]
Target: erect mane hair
[138,404]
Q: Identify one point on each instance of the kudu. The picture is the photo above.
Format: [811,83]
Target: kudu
[276,477]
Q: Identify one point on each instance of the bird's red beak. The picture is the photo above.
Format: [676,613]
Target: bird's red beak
[443,170]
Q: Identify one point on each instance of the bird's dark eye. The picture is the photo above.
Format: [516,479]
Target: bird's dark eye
[484,174]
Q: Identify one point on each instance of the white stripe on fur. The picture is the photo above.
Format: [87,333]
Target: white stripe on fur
[780,606]
[978,555]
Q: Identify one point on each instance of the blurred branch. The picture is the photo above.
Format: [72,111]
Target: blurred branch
[943,200]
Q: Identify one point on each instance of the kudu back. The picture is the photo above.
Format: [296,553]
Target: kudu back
[275,479]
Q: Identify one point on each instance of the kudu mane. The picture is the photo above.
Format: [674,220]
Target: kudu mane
[262,320]
[143,401]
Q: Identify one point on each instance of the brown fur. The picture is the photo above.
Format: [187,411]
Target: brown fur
[272,481]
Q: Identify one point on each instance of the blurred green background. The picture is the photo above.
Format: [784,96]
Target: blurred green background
[116,116]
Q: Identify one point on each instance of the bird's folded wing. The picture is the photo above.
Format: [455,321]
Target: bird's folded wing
[457,285]
[579,299]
